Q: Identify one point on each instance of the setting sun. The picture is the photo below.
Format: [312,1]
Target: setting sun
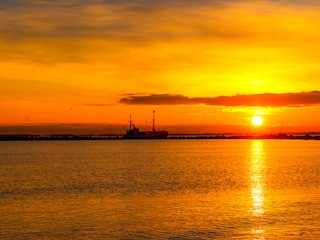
[257,120]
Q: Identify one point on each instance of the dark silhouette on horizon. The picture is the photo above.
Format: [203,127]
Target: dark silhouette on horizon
[30,137]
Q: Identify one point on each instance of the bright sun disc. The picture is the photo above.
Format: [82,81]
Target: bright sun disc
[257,120]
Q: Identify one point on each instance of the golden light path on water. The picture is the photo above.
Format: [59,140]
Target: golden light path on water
[257,166]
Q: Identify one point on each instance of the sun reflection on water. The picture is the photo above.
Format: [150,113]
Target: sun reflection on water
[257,166]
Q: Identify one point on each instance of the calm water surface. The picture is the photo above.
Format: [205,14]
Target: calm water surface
[161,189]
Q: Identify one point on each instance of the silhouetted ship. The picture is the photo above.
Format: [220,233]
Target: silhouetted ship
[134,133]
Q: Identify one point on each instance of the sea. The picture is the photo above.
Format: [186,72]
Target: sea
[160,189]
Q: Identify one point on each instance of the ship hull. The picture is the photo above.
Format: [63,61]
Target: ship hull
[146,135]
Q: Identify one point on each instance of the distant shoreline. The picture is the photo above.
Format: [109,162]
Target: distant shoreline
[57,137]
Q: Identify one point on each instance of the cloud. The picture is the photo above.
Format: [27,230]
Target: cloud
[264,100]
[49,31]
[98,105]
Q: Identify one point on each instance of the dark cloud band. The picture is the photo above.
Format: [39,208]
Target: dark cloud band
[264,100]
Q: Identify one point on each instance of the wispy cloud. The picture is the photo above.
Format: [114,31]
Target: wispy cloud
[78,30]
[97,105]
[264,100]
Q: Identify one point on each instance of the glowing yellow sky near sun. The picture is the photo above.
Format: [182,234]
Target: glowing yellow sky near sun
[198,51]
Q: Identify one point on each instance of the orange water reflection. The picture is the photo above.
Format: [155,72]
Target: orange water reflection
[257,178]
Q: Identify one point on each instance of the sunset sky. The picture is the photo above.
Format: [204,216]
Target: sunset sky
[217,62]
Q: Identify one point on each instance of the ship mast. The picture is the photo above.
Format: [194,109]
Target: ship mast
[130,122]
[153,123]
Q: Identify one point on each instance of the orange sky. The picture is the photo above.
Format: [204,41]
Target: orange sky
[194,62]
